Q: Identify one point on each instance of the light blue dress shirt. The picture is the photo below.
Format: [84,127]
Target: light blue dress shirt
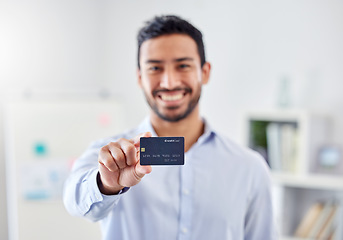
[223,192]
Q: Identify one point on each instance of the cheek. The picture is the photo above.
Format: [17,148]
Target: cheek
[149,83]
[193,77]
[196,81]
[147,86]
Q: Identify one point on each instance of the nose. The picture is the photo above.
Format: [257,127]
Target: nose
[169,79]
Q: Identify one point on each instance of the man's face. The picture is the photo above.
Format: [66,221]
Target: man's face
[171,75]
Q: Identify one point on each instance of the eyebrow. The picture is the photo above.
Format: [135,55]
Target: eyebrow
[175,60]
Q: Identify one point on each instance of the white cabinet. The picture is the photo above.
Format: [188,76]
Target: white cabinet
[290,141]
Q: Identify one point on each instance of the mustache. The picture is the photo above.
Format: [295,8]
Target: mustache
[185,89]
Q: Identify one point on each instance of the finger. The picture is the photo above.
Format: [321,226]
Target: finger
[129,151]
[117,154]
[106,159]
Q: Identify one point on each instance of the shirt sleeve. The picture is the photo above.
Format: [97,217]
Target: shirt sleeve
[259,220]
[81,195]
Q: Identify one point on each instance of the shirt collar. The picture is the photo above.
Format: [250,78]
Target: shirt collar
[208,131]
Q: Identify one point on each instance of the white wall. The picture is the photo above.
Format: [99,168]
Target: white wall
[79,47]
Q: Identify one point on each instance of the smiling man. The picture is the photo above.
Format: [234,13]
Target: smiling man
[222,191]
[173,75]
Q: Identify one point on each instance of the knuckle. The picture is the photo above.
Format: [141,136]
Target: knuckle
[130,149]
[121,140]
[107,161]
[113,144]
[120,159]
[104,148]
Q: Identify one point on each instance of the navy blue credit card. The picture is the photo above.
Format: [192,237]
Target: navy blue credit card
[162,151]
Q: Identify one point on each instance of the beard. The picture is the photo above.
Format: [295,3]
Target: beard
[175,117]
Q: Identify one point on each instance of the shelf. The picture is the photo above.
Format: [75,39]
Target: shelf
[308,181]
[290,141]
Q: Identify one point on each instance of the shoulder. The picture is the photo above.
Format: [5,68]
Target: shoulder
[240,157]
[235,149]
[247,161]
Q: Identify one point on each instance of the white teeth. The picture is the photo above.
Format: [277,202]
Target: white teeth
[171,97]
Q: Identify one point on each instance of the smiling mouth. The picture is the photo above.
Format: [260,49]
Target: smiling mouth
[171,95]
[175,97]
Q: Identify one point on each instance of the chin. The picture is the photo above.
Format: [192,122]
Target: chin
[176,117]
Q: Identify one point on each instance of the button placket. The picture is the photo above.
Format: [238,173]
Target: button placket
[186,206]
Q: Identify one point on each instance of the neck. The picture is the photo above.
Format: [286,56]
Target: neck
[192,127]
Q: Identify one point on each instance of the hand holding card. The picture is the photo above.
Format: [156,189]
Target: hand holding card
[119,165]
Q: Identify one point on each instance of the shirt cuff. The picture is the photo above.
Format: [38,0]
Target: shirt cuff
[124,190]
[95,204]
[98,195]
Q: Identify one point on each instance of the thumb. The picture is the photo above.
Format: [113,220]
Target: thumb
[142,170]
[136,140]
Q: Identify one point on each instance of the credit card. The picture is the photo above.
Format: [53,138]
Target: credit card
[162,151]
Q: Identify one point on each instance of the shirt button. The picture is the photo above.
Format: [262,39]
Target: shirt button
[184,230]
[185,191]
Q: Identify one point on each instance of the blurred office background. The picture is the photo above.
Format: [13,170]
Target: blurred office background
[260,51]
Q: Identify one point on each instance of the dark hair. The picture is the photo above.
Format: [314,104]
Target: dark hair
[163,25]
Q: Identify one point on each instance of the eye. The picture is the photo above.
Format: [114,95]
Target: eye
[184,66]
[154,68]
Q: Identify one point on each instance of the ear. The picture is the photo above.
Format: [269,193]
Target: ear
[139,77]
[205,72]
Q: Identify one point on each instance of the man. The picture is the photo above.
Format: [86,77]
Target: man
[222,191]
